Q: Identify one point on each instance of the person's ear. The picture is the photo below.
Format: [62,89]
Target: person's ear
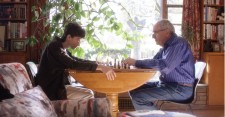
[168,34]
[68,37]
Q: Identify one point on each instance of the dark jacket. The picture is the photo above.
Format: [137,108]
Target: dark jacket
[52,70]
[4,93]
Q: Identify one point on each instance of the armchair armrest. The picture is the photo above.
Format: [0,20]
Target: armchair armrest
[94,107]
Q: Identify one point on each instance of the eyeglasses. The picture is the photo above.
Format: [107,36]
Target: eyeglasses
[155,32]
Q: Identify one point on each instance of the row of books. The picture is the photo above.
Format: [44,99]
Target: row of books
[212,2]
[16,30]
[213,14]
[213,32]
[16,11]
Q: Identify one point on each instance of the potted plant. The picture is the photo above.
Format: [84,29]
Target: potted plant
[189,34]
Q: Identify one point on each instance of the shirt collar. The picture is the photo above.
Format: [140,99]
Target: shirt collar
[171,40]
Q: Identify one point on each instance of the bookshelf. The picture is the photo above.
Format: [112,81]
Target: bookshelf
[14,28]
[212,49]
[213,26]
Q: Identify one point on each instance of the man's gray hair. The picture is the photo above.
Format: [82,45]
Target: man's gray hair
[166,24]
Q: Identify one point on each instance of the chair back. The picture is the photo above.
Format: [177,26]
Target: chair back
[32,70]
[199,70]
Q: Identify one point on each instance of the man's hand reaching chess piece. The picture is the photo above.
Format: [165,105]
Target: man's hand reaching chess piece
[129,61]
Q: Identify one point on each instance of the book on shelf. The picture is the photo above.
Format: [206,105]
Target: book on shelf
[213,2]
[16,30]
[213,32]
[2,36]
[16,11]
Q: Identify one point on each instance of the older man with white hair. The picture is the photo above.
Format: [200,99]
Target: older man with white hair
[174,61]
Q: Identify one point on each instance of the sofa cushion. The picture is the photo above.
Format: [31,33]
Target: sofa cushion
[30,103]
[95,107]
[14,77]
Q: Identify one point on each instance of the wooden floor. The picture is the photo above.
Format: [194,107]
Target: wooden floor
[210,111]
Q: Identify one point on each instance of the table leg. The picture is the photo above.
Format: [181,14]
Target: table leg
[113,97]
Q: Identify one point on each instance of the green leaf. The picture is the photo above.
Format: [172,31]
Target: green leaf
[57,17]
[36,16]
[32,41]
[82,13]
[103,1]
[104,9]
[96,19]
[68,13]
[78,15]
[129,46]
[78,52]
[77,6]
[100,27]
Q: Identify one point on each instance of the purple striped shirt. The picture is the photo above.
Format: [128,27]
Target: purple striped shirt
[175,61]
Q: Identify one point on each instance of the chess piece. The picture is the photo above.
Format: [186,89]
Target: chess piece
[122,64]
[110,64]
[114,66]
[118,64]
[127,66]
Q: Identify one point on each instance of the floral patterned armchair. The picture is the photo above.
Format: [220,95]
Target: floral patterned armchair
[32,101]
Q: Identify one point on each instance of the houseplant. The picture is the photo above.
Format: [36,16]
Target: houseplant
[95,16]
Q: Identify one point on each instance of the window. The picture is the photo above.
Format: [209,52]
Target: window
[145,13]
[173,12]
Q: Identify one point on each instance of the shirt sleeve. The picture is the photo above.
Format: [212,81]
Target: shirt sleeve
[58,53]
[169,59]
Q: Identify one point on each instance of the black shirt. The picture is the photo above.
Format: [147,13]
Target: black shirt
[52,70]
[4,93]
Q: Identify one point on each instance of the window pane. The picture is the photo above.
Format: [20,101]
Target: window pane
[145,13]
[175,15]
[178,2]
[178,29]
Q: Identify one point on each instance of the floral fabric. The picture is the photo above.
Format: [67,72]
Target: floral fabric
[95,107]
[77,93]
[30,103]
[34,103]
[191,27]
[14,77]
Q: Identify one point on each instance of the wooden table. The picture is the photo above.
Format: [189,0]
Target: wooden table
[126,80]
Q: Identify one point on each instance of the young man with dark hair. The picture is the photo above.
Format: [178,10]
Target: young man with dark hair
[55,61]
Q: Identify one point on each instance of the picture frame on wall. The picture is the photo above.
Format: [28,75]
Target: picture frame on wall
[18,45]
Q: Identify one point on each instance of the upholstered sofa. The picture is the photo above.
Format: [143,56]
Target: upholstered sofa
[31,101]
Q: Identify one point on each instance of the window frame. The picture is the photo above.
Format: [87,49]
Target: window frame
[165,10]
